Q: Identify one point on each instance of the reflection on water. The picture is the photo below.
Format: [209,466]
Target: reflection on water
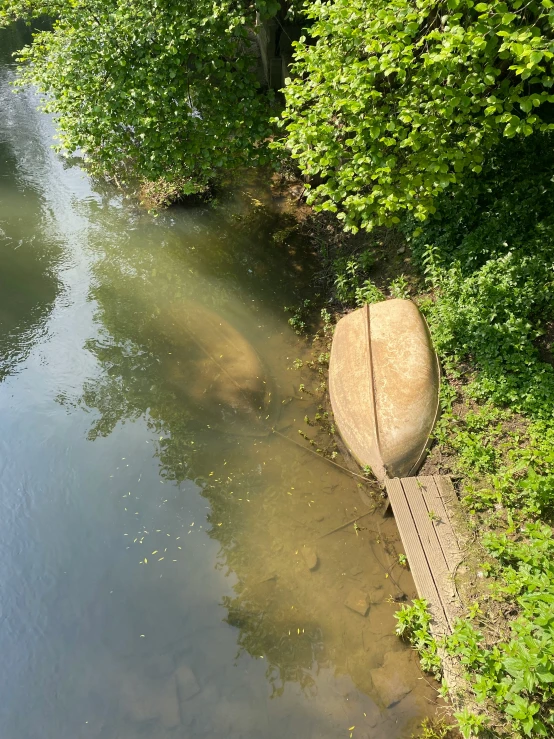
[170,566]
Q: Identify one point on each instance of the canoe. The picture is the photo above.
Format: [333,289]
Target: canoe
[384,385]
[212,367]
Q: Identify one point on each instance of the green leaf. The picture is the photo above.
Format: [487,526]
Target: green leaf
[526,105]
[507,18]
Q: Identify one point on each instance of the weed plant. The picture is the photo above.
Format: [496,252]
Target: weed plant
[488,259]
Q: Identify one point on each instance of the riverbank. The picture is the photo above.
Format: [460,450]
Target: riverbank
[480,271]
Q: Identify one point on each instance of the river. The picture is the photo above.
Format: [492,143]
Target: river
[155,572]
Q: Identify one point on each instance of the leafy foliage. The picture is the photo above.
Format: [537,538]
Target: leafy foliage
[517,674]
[395,101]
[433,729]
[488,256]
[413,624]
[352,282]
[159,90]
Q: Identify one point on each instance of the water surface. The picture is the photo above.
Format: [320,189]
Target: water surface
[153,535]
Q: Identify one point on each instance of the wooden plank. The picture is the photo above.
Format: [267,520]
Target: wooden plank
[431,545]
[443,526]
[450,499]
[451,503]
[415,552]
[446,489]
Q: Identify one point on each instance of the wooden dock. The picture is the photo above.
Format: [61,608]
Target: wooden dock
[423,507]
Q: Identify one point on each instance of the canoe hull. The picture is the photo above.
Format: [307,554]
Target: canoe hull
[384,385]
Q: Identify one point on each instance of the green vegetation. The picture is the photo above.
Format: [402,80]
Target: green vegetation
[435,117]
[390,103]
[153,92]
[352,283]
[433,729]
[397,101]
[413,624]
[488,258]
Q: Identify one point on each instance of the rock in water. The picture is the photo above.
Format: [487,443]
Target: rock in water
[137,699]
[187,683]
[213,366]
[310,557]
[358,601]
[391,680]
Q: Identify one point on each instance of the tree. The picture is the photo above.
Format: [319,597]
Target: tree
[160,90]
[393,100]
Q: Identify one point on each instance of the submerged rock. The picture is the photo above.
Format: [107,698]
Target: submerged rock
[187,683]
[213,366]
[310,558]
[270,577]
[137,700]
[390,680]
[358,601]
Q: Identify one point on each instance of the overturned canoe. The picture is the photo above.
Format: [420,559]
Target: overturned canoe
[384,386]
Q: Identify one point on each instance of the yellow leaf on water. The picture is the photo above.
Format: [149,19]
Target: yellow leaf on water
[155,551]
[351,728]
[145,561]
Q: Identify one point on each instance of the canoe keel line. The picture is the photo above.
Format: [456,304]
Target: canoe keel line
[384,385]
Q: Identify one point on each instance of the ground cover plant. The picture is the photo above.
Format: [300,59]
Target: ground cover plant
[488,258]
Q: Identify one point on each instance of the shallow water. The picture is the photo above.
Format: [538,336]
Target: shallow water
[155,579]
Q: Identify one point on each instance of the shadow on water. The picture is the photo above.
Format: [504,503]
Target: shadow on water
[158,542]
[270,502]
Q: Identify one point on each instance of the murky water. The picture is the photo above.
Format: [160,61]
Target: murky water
[156,541]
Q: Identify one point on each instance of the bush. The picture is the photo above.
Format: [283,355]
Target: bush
[489,257]
[393,102]
[151,91]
